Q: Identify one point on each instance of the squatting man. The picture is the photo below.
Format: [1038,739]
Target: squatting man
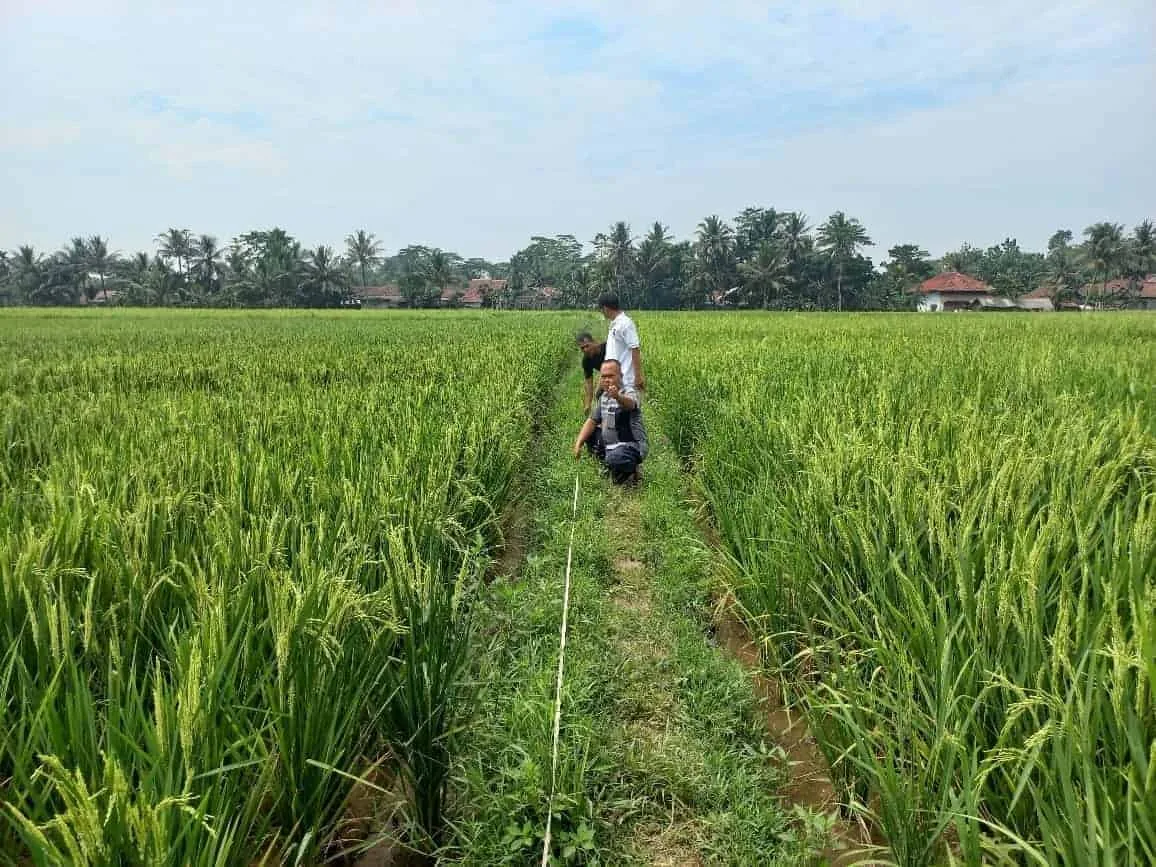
[614,433]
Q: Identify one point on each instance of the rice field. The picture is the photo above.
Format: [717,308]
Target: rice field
[233,554]
[945,529]
[238,553]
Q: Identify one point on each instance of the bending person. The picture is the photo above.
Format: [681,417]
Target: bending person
[593,354]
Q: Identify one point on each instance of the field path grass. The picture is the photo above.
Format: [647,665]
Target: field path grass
[664,759]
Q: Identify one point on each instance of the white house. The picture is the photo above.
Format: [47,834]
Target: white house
[952,290]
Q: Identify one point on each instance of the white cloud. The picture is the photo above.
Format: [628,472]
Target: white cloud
[448,123]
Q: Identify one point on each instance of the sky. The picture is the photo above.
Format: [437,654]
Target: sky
[473,126]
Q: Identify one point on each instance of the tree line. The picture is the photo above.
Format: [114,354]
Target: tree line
[762,258]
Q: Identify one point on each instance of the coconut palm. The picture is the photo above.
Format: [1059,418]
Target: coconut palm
[1060,239]
[652,263]
[1063,274]
[715,255]
[207,268]
[176,244]
[754,226]
[619,259]
[840,238]
[439,272]
[24,273]
[136,280]
[766,272]
[324,282]
[363,249]
[1105,252]
[795,243]
[1144,248]
[72,266]
[100,261]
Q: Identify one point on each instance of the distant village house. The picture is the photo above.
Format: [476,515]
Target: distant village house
[955,291]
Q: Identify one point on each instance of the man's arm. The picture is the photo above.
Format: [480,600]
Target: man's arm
[628,400]
[583,435]
[636,359]
[587,393]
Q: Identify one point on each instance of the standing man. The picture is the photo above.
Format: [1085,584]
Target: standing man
[593,354]
[614,432]
[622,342]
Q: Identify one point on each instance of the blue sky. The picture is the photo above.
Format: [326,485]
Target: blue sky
[473,126]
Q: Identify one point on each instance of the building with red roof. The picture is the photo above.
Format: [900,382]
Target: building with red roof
[952,290]
[388,295]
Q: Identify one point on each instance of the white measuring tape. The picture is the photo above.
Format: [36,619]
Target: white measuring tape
[561,664]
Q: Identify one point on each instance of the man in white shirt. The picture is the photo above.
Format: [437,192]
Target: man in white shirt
[622,342]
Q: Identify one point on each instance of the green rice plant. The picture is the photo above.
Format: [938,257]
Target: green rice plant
[946,528]
[236,556]
[423,709]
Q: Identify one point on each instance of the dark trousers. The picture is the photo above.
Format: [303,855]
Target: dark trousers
[623,462]
[595,446]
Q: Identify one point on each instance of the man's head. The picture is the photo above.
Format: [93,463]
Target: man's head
[610,374]
[609,304]
[585,341]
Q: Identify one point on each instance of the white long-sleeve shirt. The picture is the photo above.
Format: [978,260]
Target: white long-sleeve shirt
[621,338]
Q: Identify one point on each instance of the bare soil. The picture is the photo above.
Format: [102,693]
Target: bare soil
[516,532]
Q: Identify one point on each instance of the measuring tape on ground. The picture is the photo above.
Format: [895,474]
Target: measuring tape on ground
[561,667]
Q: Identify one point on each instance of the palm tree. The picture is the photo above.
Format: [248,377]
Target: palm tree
[620,257]
[99,261]
[653,262]
[1144,247]
[1060,239]
[841,239]
[1139,256]
[954,261]
[439,272]
[135,277]
[715,248]
[752,227]
[1105,251]
[25,272]
[207,266]
[1063,274]
[363,248]
[766,273]
[795,242]
[325,282]
[72,262]
[176,244]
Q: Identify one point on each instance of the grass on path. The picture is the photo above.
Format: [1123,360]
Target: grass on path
[663,758]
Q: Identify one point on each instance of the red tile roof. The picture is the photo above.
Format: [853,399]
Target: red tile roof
[1123,286]
[384,292]
[1119,286]
[1113,287]
[952,281]
[484,285]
